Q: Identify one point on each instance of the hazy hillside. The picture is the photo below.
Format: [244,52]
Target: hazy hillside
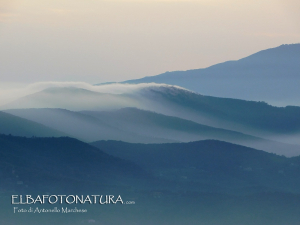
[152,124]
[250,117]
[83,127]
[271,75]
[140,126]
[10,124]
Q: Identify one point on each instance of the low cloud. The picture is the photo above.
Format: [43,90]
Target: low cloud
[11,92]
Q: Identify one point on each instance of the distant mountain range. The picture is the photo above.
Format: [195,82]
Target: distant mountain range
[173,101]
[162,114]
[271,75]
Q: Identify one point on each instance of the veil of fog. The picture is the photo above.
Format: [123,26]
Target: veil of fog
[11,92]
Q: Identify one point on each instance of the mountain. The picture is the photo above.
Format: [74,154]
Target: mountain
[211,162]
[271,75]
[10,124]
[59,164]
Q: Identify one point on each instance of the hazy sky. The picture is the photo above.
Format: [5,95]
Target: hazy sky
[98,41]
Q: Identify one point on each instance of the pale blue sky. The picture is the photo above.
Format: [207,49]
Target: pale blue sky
[98,41]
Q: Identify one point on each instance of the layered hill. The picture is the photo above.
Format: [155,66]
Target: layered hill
[83,126]
[170,100]
[140,126]
[257,119]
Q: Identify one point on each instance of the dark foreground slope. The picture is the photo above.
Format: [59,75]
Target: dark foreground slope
[219,165]
[59,164]
[65,166]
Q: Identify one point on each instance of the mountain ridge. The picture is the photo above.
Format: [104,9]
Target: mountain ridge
[269,75]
